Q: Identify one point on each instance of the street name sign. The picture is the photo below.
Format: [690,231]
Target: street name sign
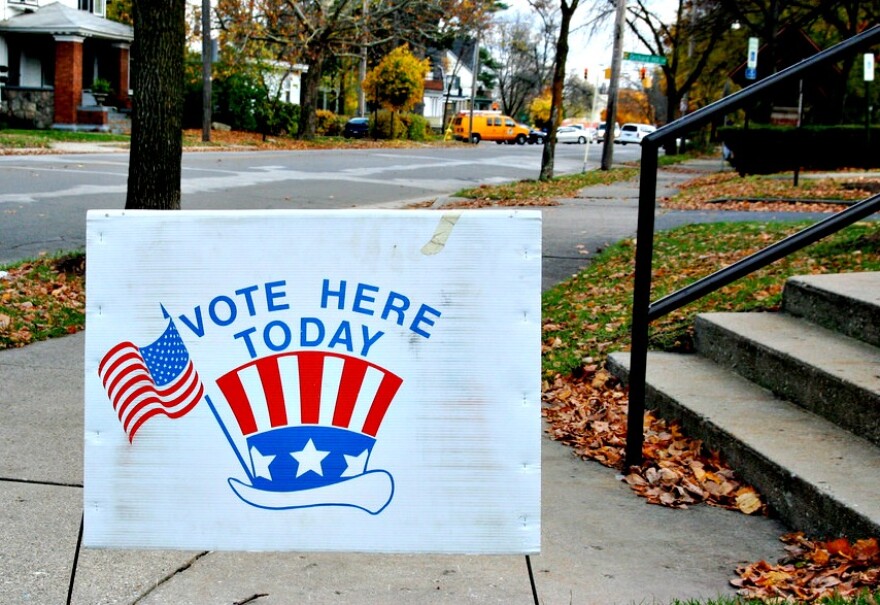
[642,58]
[345,380]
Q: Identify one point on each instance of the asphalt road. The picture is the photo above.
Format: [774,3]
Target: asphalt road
[44,198]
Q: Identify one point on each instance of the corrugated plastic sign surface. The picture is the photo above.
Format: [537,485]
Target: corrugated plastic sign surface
[314,381]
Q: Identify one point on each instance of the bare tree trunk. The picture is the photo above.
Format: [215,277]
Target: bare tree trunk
[308,121]
[207,58]
[157,105]
[549,152]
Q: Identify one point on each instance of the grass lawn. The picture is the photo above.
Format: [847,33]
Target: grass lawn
[588,316]
[43,139]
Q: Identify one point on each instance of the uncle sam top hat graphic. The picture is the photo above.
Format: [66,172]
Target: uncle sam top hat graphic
[309,420]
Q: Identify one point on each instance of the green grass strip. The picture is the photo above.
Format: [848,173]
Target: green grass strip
[588,316]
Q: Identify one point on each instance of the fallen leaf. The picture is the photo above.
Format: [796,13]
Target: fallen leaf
[748,501]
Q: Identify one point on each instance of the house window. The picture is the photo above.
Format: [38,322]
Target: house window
[92,6]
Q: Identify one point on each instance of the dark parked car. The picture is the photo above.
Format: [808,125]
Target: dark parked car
[537,136]
[356,128]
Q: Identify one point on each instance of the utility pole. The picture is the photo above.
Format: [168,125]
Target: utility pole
[207,52]
[475,68]
[616,61]
[362,67]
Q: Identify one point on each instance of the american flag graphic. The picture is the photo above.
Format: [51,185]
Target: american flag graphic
[145,381]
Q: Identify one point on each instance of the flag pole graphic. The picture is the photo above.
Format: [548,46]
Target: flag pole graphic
[228,436]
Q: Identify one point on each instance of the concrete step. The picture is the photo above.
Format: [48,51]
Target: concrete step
[848,303]
[817,476]
[834,376]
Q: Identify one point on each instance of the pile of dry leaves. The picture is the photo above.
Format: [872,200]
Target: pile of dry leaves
[41,299]
[589,413]
[814,569]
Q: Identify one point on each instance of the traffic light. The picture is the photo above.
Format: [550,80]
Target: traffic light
[643,73]
[586,73]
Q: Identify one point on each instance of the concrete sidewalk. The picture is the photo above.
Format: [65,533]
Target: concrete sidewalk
[601,544]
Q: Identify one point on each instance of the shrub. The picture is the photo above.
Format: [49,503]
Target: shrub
[329,124]
[418,127]
[770,149]
[237,99]
[277,117]
[381,122]
[288,118]
[406,125]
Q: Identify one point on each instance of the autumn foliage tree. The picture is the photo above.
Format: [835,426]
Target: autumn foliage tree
[687,42]
[539,109]
[397,83]
[121,11]
[317,33]
[634,106]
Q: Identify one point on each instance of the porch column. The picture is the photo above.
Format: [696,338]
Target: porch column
[122,74]
[68,78]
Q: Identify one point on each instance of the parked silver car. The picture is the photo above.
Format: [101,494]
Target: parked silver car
[572,134]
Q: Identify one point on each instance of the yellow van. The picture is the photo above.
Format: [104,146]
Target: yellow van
[489,126]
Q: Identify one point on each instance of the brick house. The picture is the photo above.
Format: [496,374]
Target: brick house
[53,54]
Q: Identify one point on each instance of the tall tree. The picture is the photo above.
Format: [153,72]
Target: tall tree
[524,45]
[687,43]
[825,21]
[317,32]
[847,18]
[566,12]
[157,105]
[578,97]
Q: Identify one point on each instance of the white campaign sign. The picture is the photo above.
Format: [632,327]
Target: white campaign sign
[313,381]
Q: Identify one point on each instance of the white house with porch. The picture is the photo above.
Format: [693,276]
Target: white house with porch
[53,53]
[450,85]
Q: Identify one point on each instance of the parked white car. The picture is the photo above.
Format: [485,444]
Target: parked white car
[633,133]
[600,136]
[573,134]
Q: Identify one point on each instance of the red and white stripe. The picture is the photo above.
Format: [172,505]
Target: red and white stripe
[309,387]
[135,396]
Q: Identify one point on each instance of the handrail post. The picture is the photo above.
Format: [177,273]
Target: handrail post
[641,312]
[635,424]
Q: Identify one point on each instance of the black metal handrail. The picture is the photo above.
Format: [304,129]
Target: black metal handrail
[644,311]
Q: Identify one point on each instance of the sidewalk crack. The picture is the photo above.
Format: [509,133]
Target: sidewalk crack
[167,578]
